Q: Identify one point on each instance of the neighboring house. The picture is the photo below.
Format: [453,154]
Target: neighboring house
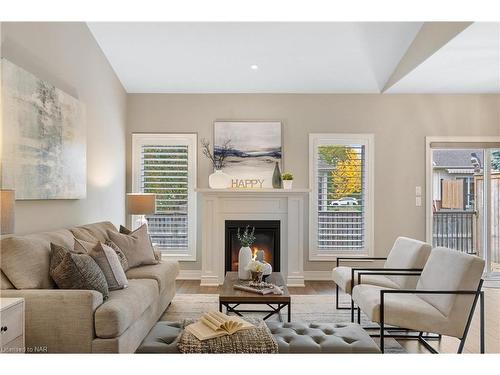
[453,178]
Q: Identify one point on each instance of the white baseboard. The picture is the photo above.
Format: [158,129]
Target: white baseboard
[318,275]
[308,275]
[189,275]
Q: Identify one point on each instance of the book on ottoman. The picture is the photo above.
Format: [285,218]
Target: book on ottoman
[216,324]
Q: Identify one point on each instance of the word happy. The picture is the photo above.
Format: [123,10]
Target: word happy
[236,183]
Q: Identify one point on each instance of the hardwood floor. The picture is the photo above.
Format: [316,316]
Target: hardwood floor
[446,345]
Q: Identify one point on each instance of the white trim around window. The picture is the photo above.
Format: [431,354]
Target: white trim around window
[318,252]
[186,250]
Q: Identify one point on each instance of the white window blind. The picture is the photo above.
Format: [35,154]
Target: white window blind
[340,203]
[165,167]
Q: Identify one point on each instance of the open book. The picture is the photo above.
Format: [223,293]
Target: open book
[216,324]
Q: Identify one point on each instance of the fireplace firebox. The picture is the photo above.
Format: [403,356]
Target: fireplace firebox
[267,233]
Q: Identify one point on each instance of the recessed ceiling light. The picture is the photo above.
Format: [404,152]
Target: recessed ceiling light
[254,67]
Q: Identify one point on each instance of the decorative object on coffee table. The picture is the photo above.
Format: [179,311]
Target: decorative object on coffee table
[277,181]
[287,180]
[218,179]
[267,268]
[260,287]
[256,268]
[141,204]
[257,276]
[247,238]
[232,298]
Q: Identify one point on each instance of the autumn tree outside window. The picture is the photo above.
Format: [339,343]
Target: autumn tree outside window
[341,184]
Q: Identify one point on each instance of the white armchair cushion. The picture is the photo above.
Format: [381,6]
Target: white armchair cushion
[451,270]
[407,253]
[404,310]
[342,277]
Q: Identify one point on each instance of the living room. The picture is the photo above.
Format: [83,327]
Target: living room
[250,187]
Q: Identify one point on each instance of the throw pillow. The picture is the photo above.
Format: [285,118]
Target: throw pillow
[136,246]
[156,252]
[124,230]
[57,254]
[108,261]
[121,256]
[85,247]
[76,271]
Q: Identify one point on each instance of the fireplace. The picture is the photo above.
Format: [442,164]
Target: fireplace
[267,233]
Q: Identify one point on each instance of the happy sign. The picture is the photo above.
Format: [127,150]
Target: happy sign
[253,183]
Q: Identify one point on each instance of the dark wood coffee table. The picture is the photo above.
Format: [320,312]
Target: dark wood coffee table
[231,298]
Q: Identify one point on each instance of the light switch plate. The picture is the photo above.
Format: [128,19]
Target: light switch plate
[418,191]
[418,201]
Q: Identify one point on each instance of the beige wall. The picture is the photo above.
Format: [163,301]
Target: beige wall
[66,55]
[399,122]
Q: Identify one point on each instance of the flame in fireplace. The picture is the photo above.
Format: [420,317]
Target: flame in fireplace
[254,253]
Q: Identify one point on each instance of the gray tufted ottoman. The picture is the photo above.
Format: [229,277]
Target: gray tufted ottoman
[291,338]
[322,338]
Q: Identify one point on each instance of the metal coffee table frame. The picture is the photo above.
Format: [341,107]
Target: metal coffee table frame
[275,309]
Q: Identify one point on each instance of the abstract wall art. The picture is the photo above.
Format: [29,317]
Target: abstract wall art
[43,138]
[255,147]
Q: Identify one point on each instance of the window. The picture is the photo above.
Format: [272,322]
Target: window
[165,164]
[341,179]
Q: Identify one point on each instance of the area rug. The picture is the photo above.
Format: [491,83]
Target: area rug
[305,308]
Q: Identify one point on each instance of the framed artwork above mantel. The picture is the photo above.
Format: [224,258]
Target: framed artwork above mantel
[255,148]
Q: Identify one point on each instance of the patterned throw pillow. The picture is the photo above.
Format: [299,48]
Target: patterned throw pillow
[85,247]
[71,270]
[121,256]
[136,246]
[108,261]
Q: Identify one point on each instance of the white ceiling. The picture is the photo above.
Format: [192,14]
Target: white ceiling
[336,57]
[469,63]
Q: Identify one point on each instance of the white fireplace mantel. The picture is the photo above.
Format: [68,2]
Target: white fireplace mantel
[219,205]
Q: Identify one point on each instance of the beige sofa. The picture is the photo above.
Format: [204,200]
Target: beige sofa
[79,321]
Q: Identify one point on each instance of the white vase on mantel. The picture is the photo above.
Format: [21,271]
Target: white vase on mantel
[244,257]
[219,180]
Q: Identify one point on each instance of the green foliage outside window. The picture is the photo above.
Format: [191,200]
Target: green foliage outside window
[175,192]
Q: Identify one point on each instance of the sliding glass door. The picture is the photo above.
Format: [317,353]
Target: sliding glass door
[464,212]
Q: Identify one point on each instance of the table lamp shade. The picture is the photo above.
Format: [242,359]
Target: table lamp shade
[141,204]
[7,198]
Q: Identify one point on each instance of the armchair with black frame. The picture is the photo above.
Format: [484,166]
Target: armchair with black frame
[443,302]
[407,254]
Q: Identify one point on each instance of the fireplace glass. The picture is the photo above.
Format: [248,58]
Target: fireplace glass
[267,233]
